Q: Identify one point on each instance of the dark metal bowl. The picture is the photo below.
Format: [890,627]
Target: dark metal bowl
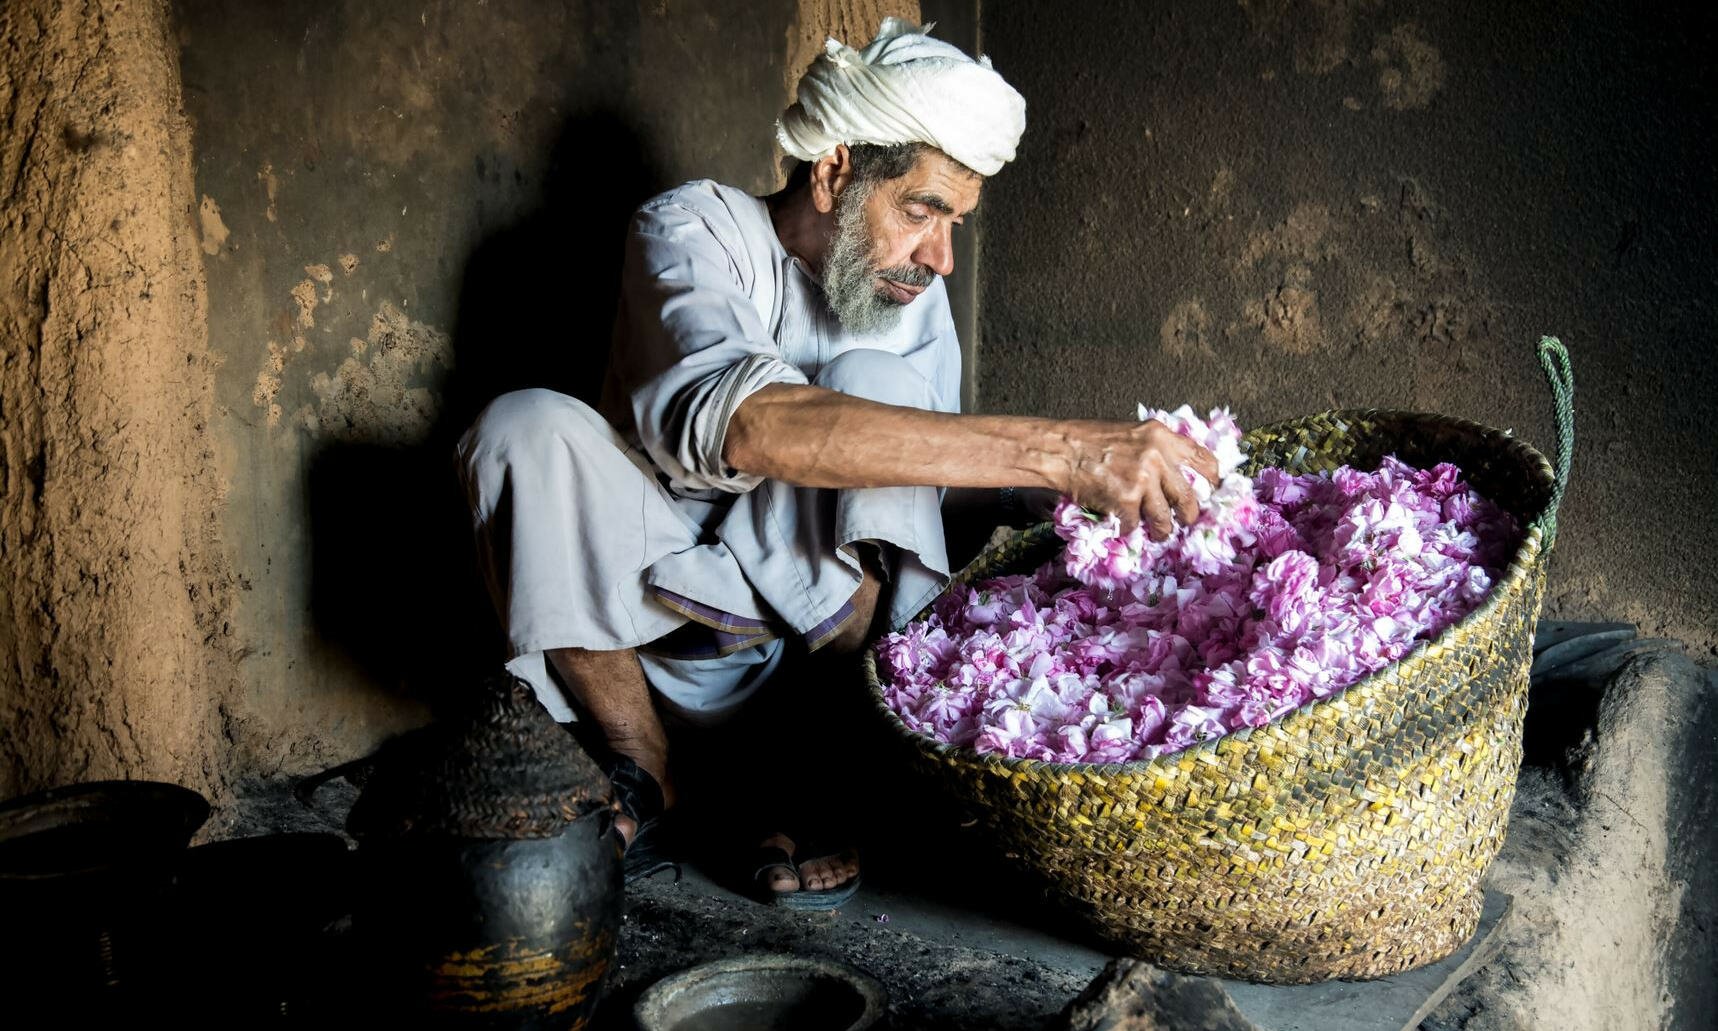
[85,874]
[88,828]
[762,993]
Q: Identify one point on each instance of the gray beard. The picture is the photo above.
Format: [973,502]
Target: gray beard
[849,277]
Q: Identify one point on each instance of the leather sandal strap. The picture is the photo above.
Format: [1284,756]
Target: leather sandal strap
[772,857]
[638,793]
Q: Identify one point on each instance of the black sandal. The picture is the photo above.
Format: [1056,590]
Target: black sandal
[773,857]
[640,797]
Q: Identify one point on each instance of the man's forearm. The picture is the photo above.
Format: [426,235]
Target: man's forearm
[822,438]
[816,437]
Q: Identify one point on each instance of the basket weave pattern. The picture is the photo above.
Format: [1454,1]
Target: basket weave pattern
[1347,840]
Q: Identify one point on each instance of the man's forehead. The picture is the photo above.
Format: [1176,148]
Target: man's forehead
[937,176]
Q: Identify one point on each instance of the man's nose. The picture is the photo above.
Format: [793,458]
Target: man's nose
[936,249]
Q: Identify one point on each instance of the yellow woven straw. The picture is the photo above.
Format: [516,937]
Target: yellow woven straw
[1347,840]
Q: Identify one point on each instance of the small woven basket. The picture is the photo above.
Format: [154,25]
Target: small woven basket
[1349,838]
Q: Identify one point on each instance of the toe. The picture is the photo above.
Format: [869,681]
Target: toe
[831,872]
[781,879]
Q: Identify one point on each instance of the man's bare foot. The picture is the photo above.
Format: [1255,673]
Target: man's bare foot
[818,874]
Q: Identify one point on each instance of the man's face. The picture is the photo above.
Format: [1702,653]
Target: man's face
[893,238]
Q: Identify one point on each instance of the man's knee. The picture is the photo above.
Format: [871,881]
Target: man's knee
[877,376]
[524,420]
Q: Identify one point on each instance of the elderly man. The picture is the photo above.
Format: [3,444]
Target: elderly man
[777,428]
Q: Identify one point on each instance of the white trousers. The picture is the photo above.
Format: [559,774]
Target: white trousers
[583,545]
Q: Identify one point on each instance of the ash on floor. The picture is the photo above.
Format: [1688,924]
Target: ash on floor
[670,926]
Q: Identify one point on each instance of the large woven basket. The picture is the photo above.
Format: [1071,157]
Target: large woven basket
[1348,839]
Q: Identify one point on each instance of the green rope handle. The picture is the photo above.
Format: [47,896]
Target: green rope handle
[1554,357]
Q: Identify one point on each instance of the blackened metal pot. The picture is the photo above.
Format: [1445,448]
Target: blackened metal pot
[84,875]
[489,887]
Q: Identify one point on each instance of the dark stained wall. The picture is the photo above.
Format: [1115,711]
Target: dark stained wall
[1285,207]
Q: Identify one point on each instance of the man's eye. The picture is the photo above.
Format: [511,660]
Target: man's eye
[917,216]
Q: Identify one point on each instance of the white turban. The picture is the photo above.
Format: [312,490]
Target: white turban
[905,87]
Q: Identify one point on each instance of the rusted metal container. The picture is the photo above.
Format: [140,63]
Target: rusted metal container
[490,885]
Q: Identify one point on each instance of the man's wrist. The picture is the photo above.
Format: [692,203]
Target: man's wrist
[1045,453]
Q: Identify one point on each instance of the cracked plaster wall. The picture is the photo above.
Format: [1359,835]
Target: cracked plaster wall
[116,645]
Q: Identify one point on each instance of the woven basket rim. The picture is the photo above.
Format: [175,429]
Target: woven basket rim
[1515,573]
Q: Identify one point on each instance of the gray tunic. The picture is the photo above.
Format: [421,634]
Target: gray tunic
[618,530]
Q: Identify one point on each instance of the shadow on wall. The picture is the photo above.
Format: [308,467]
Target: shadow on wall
[536,309]
[537,305]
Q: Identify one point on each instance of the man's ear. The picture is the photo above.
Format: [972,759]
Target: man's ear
[829,177]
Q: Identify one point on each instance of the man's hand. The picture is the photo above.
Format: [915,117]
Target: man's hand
[1134,471]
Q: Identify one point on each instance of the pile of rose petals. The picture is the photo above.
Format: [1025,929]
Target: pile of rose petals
[1286,589]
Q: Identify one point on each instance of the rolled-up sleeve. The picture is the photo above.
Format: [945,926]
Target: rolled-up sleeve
[697,347]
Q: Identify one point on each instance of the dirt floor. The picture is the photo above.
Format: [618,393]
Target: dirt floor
[1611,837]
[934,979]
[931,984]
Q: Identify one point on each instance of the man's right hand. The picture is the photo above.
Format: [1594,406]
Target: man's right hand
[1133,469]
